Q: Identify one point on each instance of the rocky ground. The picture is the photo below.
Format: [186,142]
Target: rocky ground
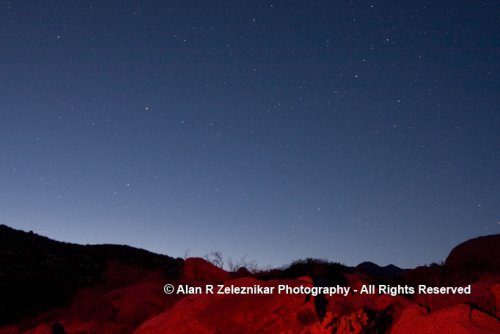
[123,293]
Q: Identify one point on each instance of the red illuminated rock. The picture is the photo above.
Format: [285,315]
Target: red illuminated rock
[459,319]
[476,255]
[495,290]
[237,313]
[200,270]
[481,296]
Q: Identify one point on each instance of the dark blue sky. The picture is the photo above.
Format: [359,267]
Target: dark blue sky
[275,130]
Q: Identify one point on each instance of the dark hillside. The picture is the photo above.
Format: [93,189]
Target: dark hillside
[37,273]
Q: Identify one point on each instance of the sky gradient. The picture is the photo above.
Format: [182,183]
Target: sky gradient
[275,130]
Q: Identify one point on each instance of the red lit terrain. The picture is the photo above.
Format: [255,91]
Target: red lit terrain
[50,287]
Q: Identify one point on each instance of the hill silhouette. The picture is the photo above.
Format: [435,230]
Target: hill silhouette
[37,273]
[373,269]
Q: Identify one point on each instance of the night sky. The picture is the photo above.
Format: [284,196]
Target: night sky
[271,130]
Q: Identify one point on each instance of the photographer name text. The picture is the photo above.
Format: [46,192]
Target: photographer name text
[284,289]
